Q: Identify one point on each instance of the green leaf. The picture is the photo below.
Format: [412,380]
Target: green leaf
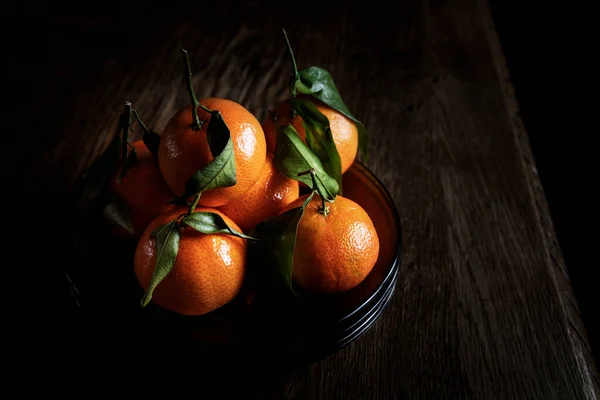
[363,145]
[117,213]
[318,82]
[217,133]
[277,236]
[167,246]
[319,138]
[157,230]
[150,138]
[152,141]
[93,186]
[125,126]
[129,162]
[211,223]
[101,171]
[220,172]
[292,156]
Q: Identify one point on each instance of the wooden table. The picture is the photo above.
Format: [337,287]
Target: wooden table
[483,307]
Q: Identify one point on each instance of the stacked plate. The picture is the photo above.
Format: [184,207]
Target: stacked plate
[307,326]
[312,326]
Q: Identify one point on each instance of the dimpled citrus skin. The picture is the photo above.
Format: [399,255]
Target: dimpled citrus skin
[265,199]
[336,252]
[208,271]
[143,189]
[343,130]
[183,151]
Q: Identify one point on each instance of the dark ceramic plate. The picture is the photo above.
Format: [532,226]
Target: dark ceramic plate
[305,326]
[316,325]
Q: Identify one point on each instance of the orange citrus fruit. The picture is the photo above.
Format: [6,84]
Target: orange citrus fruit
[343,130]
[367,192]
[183,151]
[265,199]
[333,252]
[143,189]
[208,271]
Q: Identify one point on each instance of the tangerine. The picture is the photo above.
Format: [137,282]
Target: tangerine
[265,199]
[343,130]
[333,252]
[183,150]
[363,188]
[143,189]
[208,272]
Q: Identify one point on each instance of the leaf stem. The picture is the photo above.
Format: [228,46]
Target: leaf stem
[196,124]
[291,53]
[202,106]
[125,125]
[139,120]
[194,203]
[324,209]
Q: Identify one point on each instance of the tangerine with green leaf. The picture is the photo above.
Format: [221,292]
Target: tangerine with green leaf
[335,249]
[266,198]
[143,189]
[207,269]
[343,130]
[184,150]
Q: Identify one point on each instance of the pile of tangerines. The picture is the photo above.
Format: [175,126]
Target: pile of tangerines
[216,181]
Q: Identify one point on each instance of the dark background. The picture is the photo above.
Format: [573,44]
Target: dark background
[548,54]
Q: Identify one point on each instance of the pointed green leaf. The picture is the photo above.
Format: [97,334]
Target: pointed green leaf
[211,223]
[152,141]
[318,82]
[150,138]
[319,138]
[92,184]
[167,246]
[277,236]
[129,162]
[220,172]
[157,230]
[363,145]
[125,126]
[217,133]
[292,156]
[117,213]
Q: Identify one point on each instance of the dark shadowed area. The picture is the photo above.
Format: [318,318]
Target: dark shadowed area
[483,306]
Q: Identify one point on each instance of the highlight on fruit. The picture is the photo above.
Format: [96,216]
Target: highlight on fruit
[201,213]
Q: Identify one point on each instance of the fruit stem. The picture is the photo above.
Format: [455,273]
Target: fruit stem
[194,203]
[196,124]
[125,125]
[324,209]
[308,171]
[291,53]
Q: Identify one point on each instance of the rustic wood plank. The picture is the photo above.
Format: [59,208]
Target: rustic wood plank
[483,307]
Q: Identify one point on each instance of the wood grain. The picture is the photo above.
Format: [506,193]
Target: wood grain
[483,307]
